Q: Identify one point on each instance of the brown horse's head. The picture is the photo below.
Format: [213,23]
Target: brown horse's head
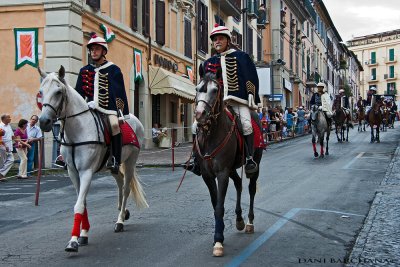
[208,96]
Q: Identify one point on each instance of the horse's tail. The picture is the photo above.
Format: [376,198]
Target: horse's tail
[137,191]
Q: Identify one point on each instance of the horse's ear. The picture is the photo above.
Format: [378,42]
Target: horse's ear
[42,73]
[219,74]
[61,73]
[201,71]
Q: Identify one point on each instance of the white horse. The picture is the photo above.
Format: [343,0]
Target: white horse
[84,150]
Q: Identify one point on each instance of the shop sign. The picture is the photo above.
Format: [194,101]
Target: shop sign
[165,63]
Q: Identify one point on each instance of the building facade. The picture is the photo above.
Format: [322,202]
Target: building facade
[378,54]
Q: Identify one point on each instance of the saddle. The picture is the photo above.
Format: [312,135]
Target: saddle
[257,131]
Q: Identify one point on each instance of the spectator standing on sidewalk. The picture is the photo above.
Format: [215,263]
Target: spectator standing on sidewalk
[34,135]
[7,139]
[21,145]
[301,114]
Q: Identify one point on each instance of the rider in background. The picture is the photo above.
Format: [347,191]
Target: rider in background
[371,99]
[102,85]
[240,83]
[342,101]
[323,101]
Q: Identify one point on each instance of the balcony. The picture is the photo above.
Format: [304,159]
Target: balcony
[229,7]
[262,18]
[389,60]
[390,77]
[311,80]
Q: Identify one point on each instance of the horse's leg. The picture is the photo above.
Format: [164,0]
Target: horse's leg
[238,185]
[79,210]
[372,133]
[252,193]
[347,133]
[377,135]
[336,131]
[321,145]
[123,193]
[327,142]
[314,146]
[223,181]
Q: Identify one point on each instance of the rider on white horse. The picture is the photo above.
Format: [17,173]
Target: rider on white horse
[321,99]
[102,85]
[240,84]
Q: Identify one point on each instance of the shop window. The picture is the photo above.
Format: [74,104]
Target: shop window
[174,112]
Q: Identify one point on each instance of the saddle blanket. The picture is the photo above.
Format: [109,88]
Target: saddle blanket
[128,135]
[258,137]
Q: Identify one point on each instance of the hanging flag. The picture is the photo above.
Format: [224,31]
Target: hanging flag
[26,47]
[109,35]
[138,64]
[189,73]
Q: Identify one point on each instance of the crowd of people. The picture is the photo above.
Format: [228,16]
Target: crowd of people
[278,123]
[23,141]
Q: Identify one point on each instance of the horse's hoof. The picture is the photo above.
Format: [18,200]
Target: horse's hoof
[327,153]
[315,154]
[378,141]
[72,246]
[321,156]
[249,229]
[83,241]
[127,214]
[118,227]
[218,250]
[240,225]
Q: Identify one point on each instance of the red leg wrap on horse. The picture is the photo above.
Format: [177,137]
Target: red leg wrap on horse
[314,147]
[85,221]
[77,224]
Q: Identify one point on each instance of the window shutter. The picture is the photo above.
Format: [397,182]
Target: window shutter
[160,22]
[146,18]
[199,23]
[205,30]
[391,71]
[134,15]
[391,54]
[188,38]
[259,49]
[373,57]
[373,74]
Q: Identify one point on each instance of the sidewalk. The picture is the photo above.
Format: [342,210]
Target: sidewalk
[378,243]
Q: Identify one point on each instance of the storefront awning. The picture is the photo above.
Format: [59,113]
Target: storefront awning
[165,82]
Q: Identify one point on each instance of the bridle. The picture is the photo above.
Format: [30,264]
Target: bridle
[213,111]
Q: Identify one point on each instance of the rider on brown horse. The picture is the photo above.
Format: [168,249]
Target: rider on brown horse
[372,98]
[342,101]
[240,87]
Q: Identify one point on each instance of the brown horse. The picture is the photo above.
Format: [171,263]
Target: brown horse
[385,117]
[220,154]
[341,125]
[361,118]
[375,120]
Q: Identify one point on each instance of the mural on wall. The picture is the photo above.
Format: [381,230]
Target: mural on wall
[26,47]
[109,35]
[138,64]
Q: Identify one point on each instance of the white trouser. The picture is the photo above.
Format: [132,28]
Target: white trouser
[23,161]
[114,123]
[7,163]
[244,114]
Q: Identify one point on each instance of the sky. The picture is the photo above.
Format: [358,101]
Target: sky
[353,18]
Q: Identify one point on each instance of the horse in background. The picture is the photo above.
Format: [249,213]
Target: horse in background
[319,127]
[220,153]
[84,150]
[341,125]
[375,119]
[385,117]
[361,118]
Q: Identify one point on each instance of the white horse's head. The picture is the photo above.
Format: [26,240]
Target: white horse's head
[208,96]
[53,88]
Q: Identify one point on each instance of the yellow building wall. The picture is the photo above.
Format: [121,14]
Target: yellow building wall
[18,88]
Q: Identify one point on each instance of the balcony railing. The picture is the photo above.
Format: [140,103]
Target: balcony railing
[231,7]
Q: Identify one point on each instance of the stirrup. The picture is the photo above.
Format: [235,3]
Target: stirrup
[251,166]
[113,165]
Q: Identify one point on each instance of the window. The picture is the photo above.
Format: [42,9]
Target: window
[156,108]
[291,57]
[373,57]
[373,74]
[391,54]
[282,48]
[174,112]
[391,88]
[202,27]
[236,38]
[93,3]
[134,15]
[250,41]
[188,38]
[160,22]
[391,71]
[259,49]
[146,18]
[219,20]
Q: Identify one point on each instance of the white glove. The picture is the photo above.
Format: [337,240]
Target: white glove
[252,104]
[91,105]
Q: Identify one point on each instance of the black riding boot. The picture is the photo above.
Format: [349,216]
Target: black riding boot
[251,165]
[116,147]
[192,165]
